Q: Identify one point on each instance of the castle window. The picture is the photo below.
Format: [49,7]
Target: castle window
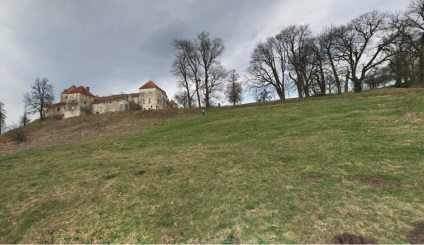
[144,102]
[150,101]
[58,109]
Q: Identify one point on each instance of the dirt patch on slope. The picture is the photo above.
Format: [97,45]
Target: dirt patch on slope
[416,236]
[347,238]
[377,181]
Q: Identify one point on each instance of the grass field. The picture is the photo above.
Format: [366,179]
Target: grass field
[302,171]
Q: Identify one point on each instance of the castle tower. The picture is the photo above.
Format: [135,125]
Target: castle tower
[152,97]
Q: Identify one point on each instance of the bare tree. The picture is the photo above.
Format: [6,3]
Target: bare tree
[415,34]
[328,43]
[365,44]
[296,40]
[402,65]
[40,96]
[182,98]
[188,59]
[209,51]
[2,116]
[234,90]
[181,69]
[267,66]
[217,75]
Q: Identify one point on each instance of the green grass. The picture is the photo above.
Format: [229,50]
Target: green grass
[264,173]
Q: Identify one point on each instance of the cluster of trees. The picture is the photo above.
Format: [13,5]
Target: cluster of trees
[369,51]
[200,73]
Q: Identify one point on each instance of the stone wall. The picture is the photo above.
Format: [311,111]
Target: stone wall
[153,98]
[54,111]
[111,106]
[77,104]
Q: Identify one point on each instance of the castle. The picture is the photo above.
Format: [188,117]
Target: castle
[77,101]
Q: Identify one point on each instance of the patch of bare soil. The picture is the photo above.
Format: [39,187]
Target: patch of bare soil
[313,177]
[416,236]
[111,176]
[347,238]
[376,181]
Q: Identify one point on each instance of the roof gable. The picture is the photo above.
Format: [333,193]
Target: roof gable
[78,90]
[151,84]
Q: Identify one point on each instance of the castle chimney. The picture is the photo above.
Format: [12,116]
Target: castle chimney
[88,89]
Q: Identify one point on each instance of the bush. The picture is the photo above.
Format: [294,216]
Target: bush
[18,134]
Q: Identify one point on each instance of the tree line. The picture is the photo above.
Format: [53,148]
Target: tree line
[368,52]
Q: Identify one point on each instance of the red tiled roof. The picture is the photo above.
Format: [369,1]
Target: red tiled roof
[80,90]
[151,84]
[135,95]
[100,99]
[173,104]
[56,105]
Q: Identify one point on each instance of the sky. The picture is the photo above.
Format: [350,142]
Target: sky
[115,46]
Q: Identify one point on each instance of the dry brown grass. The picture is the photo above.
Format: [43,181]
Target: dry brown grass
[52,132]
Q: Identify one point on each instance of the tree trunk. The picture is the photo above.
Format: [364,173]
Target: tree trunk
[322,83]
[281,94]
[346,85]
[299,87]
[421,78]
[197,91]
[188,96]
[357,85]
[206,91]
[336,78]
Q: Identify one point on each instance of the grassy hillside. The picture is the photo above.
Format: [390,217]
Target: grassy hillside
[297,172]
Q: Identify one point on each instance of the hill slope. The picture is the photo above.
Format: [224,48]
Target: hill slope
[297,172]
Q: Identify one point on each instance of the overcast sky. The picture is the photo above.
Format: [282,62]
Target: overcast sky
[117,46]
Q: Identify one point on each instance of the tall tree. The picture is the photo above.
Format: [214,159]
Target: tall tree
[217,74]
[187,59]
[234,90]
[415,34]
[328,43]
[364,43]
[2,116]
[181,69]
[209,51]
[296,40]
[40,96]
[267,66]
